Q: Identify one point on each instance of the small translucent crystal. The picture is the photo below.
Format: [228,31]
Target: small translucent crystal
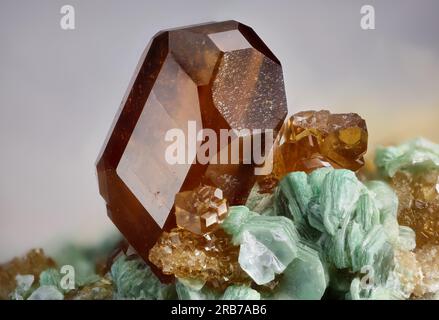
[133,279]
[33,263]
[200,210]
[210,258]
[267,244]
[318,139]
[354,225]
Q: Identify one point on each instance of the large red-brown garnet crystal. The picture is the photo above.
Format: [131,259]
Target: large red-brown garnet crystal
[217,76]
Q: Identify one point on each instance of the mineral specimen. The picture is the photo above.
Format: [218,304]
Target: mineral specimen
[32,264]
[214,76]
[319,139]
[413,155]
[346,219]
[211,258]
[413,171]
[270,246]
[46,293]
[200,210]
[305,278]
[133,279]
[428,260]
[187,292]
[267,244]
[101,289]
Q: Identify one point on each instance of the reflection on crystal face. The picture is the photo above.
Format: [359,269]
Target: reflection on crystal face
[218,75]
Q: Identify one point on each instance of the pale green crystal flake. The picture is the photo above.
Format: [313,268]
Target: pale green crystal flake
[23,289]
[46,293]
[133,279]
[412,155]
[268,244]
[353,224]
[304,279]
[240,293]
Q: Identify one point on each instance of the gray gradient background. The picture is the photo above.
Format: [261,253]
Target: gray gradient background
[59,90]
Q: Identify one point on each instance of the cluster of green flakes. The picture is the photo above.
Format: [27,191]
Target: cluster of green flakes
[320,235]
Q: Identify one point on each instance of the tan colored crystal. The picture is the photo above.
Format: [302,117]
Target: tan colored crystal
[201,210]
[318,139]
[419,203]
[321,139]
[428,260]
[409,272]
[211,258]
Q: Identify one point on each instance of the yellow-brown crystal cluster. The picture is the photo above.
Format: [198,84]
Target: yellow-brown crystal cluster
[315,139]
[33,263]
[210,257]
[201,210]
[418,194]
[311,140]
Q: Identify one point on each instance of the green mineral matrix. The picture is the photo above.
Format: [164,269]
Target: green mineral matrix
[318,226]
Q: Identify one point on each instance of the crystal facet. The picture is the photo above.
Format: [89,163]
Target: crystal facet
[318,139]
[419,204]
[200,210]
[216,76]
[211,258]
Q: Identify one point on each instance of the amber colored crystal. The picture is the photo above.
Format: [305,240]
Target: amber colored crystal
[418,194]
[218,76]
[201,210]
[408,272]
[311,140]
[211,258]
[33,263]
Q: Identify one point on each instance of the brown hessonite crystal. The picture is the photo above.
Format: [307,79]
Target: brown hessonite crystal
[317,139]
[418,194]
[201,210]
[211,258]
[218,76]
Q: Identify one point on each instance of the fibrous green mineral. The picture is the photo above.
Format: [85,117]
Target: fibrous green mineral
[240,293]
[353,224]
[305,278]
[133,279]
[46,293]
[267,244]
[415,154]
[270,246]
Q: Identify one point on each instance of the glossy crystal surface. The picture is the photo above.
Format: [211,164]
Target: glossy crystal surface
[201,210]
[211,258]
[217,76]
